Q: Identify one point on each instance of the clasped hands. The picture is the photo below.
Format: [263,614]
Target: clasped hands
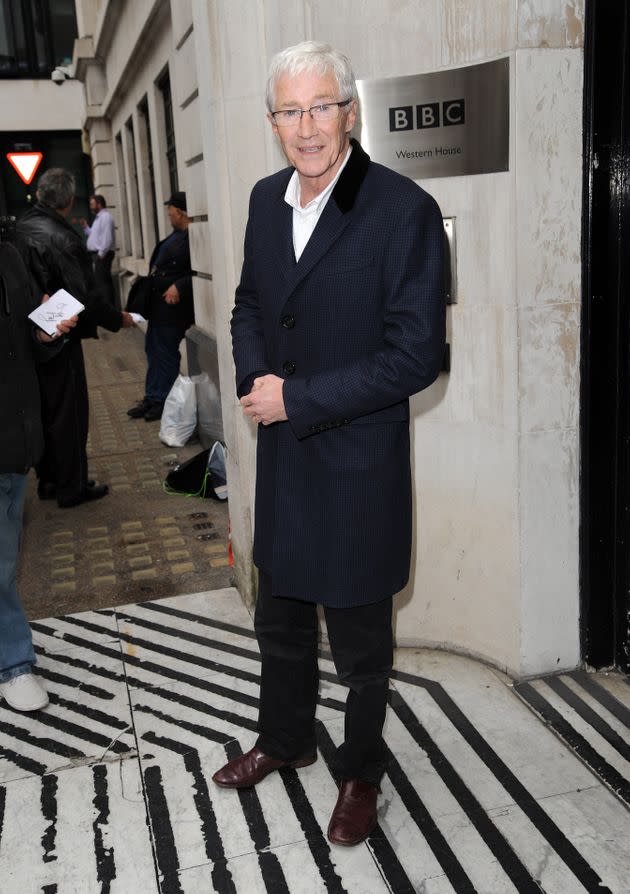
[264,404]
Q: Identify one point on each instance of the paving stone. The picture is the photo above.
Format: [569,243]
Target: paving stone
[64,587]
[173,541]
[220,562]
[174,554]
[182,567]
[137,549]
[104,580]
[63,573]
[139,561]
[144,574]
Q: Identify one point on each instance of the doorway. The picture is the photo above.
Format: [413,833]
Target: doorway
[605,389]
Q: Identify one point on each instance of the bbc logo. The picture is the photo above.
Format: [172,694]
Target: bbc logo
[430,114]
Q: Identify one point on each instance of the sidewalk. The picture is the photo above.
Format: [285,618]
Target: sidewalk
[109,789]
[137,543]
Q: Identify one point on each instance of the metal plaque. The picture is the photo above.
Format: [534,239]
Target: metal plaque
[441,124]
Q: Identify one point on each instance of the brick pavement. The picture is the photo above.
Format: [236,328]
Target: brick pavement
[137,543]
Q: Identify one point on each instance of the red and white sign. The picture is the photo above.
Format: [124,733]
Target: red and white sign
[25,163]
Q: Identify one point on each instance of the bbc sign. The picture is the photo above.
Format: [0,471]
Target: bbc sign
[446,123]
[430,114]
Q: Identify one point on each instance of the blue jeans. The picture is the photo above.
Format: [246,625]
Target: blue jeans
[16,643]
[162,349]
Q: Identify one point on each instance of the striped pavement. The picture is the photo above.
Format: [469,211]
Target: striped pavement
[491,787]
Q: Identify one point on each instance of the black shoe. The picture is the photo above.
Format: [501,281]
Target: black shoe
[154,412]
[140,408]
[91,492]
[47,490]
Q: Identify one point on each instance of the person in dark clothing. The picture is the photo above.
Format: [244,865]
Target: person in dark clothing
[170,311]
[21,444]
[56,258]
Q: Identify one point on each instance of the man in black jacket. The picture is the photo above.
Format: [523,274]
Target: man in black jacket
[170,311]
[21,444]
[56,258]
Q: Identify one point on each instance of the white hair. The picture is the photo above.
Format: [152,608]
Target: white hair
[311,56]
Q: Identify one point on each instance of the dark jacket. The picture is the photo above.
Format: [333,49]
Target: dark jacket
[56,258]
[355,327]
[173,268]
[21,439]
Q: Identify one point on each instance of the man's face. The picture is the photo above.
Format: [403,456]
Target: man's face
[175,216]
[94,206]
[315,148]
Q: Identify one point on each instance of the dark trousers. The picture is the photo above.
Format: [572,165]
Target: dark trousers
[65,414]
[362,649]
[103,277]
[161,345]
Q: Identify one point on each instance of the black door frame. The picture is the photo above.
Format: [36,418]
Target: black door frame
[605,343]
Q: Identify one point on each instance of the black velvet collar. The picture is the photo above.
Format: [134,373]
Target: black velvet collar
[352,176]
[349,183]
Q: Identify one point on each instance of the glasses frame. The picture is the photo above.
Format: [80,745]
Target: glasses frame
[340,104]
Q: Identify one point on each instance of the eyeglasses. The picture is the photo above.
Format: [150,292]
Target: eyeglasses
[323,112]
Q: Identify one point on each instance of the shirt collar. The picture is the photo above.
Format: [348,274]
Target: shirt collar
[292,193]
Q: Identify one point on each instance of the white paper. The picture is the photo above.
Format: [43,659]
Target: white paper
[60,306]
[137,318]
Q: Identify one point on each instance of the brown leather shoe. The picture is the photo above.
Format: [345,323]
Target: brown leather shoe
[354,816]
[251,768]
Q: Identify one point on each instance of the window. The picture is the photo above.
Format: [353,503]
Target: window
[171,158]
[146,152]
[133,195]
[35,36]
[122,191]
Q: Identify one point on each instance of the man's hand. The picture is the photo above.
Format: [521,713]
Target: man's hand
[83,222]
[127,320]
[171,296]
[63,327]
[265,403]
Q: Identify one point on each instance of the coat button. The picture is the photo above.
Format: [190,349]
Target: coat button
[288,321]
[288,367]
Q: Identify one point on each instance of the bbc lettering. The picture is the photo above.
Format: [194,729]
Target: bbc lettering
[430,114]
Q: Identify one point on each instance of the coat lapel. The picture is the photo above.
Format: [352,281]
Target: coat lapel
[282,229]
[335,218]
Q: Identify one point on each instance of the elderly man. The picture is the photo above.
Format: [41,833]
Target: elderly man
[339,317]
[56,258]
[170,311]
[101,245]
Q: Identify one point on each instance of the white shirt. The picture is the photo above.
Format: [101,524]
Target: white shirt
[305,219]
[101,233]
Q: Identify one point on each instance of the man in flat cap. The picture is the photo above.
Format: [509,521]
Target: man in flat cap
[169,310]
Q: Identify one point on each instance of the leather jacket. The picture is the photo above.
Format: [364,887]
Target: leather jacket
[56,258]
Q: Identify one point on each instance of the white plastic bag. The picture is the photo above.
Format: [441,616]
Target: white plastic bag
[179,416]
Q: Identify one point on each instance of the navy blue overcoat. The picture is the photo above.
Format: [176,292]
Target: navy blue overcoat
[354,328]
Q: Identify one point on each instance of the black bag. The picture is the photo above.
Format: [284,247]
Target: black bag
[203,475]
[139,298]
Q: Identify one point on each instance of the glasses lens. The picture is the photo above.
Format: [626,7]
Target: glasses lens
[325,112]
[286,117]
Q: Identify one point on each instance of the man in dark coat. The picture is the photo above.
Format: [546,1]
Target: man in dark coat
[56,258]
[339,318]
[170,311]
[21,445]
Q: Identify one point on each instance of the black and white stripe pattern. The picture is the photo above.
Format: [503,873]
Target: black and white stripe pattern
[109,790]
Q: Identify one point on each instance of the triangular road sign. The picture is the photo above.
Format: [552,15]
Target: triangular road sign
[25,163]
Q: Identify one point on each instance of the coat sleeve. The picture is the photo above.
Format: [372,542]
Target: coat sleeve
[248,337]
[412,349]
